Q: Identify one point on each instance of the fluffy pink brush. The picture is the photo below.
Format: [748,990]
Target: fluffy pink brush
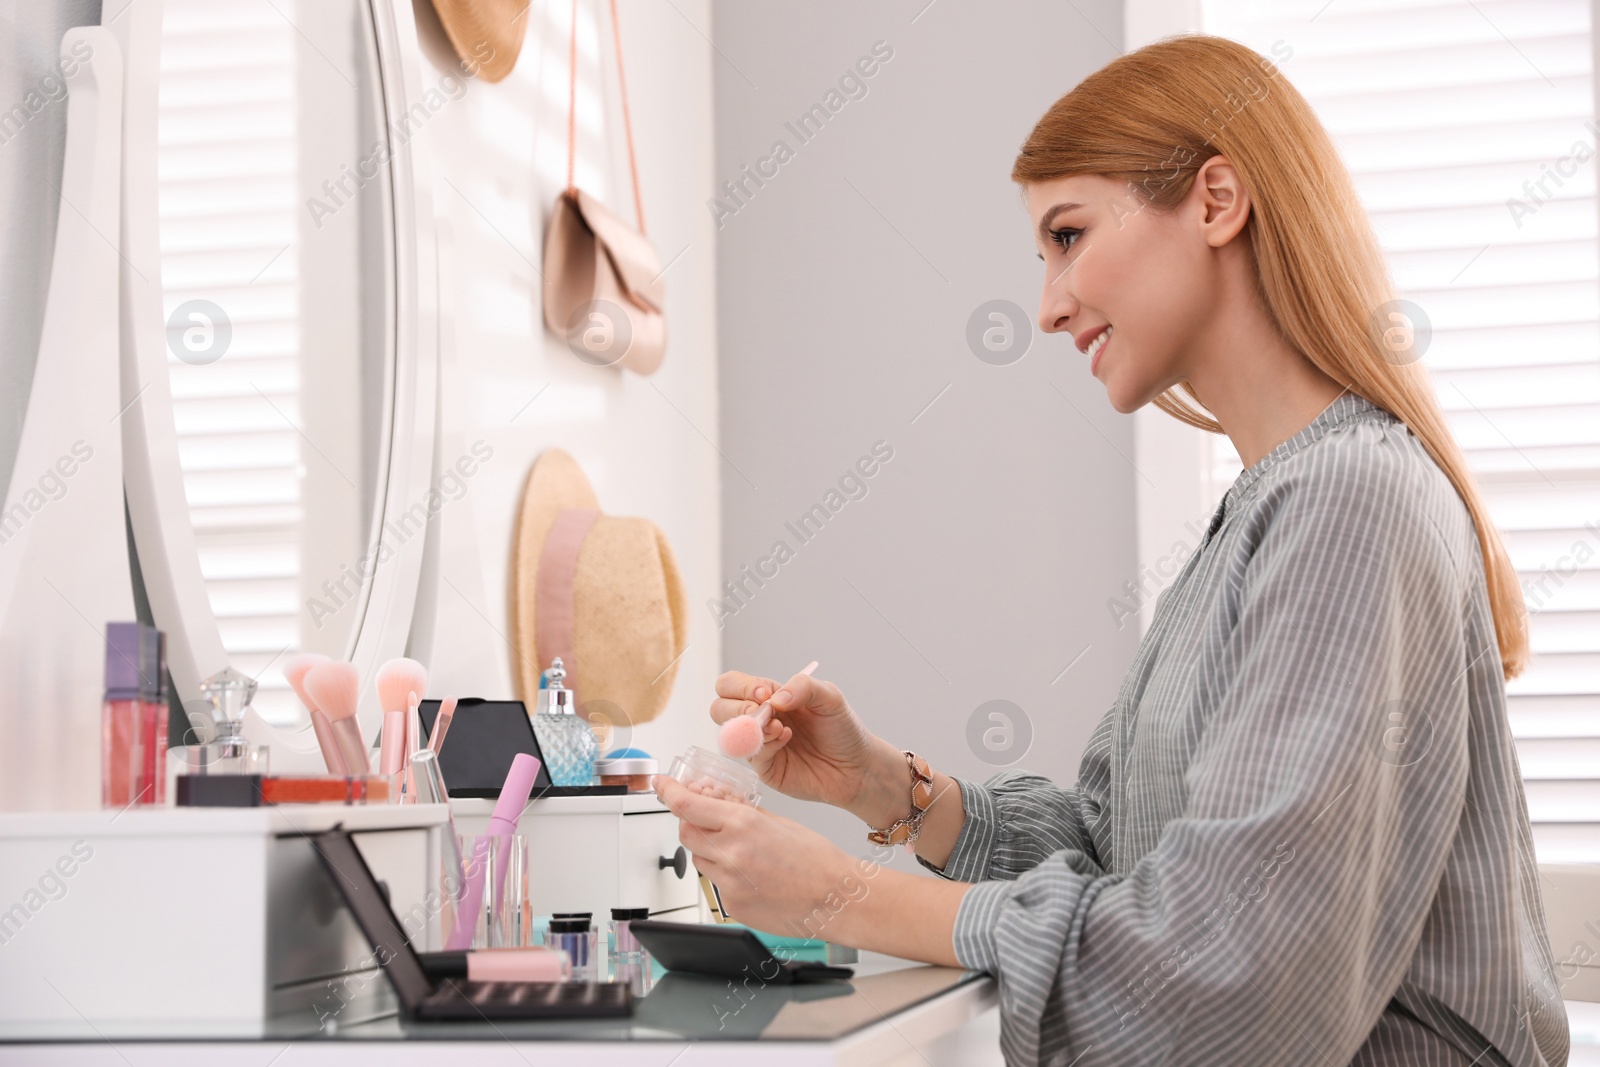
[335,688]
[397,679]
[447,711]
[741,737]
[294,672]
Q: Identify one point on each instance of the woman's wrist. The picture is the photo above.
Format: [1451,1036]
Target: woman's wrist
[885,791]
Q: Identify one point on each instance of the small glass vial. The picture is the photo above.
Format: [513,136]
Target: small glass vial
[567,743]
[576,937]
[623,945]
[717,775]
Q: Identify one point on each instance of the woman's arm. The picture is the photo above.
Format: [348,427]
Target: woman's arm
[1007,825]
[817,748]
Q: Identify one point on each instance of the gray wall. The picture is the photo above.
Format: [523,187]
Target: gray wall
[979,563]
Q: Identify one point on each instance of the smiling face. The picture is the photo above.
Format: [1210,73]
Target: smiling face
[1154,278]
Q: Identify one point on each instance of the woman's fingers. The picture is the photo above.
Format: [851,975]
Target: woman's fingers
[725,708]
[695,809]
[739,694]
[740,686]
[777,736]
[804,691]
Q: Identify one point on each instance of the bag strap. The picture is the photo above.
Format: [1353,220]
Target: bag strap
[572,111]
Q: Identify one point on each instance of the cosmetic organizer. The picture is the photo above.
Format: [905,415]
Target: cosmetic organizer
[213,922]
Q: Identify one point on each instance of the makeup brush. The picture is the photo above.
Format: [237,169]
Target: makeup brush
[413,732]
[447,711]
[294,671]
[741,737]
[335,688]
[396,680]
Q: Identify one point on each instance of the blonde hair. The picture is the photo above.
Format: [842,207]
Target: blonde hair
[1151,118]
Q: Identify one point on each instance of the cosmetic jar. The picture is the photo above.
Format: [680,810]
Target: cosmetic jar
[717,775]
[575,937]
[623,944]
[635,772]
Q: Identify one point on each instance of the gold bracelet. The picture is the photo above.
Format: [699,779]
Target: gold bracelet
[904,831]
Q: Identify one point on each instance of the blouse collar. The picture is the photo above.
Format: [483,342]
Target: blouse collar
[1345,406]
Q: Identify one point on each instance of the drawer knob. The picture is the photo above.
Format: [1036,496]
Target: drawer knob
[677,863]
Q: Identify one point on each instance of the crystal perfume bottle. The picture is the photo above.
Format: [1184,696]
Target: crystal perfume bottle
[224,749]
[565,739]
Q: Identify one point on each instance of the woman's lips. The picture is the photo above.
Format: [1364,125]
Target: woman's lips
[1099,355]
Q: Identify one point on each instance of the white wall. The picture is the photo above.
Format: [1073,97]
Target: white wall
[33,124]
[648,445]
[979,564]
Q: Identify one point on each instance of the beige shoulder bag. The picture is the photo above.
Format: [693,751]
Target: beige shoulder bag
[603,292]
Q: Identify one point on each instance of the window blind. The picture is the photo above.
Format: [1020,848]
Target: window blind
[1468,128]
[227,190]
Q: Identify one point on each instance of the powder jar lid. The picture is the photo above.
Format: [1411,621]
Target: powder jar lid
[626,765]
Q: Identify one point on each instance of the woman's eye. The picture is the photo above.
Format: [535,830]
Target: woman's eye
[1061,237]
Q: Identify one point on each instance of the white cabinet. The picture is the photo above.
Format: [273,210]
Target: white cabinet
[203,921]
[598,853]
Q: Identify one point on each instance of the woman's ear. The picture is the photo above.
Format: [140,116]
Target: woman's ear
[1223,200]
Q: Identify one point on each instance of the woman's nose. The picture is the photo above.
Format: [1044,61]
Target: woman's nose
[1055,311]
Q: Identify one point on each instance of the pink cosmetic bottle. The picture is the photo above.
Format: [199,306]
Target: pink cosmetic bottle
[133,719]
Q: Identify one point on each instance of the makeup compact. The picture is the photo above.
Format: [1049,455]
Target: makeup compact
[731,952]
[421,998]
[485,736]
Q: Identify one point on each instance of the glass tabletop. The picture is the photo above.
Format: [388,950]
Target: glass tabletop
[673,1007]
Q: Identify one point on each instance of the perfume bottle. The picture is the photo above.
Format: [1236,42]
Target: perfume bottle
[568,744]
[223,748]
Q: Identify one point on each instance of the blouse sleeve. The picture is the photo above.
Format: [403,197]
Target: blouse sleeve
[1276,916]
[1015,820]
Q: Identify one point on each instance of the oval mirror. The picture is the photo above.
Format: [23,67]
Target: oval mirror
[276,234]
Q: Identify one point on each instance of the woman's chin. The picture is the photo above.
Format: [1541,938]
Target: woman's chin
[1121,400]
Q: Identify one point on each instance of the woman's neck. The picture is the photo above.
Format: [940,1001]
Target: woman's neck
[1262,390]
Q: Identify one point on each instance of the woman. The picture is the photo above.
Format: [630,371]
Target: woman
[1299,835]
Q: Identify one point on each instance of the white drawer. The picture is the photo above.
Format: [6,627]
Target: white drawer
[648,838]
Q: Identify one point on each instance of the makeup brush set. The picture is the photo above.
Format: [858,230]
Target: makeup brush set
[330,691]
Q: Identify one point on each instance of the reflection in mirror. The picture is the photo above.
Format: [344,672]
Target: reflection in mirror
[276,255]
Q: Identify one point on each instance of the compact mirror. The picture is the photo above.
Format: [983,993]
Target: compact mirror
[277,265]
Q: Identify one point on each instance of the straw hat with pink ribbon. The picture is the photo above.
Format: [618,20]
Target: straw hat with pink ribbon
[600,591]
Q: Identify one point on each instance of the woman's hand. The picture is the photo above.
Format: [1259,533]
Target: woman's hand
[815,747]
[776,875]
[771,872]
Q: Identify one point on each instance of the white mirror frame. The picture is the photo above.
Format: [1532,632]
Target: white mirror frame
[157,508]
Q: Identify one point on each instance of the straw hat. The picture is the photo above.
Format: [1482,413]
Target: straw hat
[600,591]
[486,34]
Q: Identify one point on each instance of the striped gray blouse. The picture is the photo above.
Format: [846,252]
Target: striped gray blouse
[1299,835]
